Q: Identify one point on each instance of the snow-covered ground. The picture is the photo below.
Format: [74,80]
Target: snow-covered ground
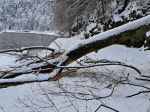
[86,83]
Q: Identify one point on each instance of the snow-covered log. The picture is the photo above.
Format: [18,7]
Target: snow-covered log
[131,34]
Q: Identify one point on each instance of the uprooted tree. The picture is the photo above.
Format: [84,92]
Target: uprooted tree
[131,34]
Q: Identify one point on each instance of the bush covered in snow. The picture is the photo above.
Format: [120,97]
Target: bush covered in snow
[26,14]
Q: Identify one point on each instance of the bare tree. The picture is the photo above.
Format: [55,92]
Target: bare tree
[77,12]
[123,3]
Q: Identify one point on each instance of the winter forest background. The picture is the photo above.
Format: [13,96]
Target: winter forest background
[39,14]
[26,15]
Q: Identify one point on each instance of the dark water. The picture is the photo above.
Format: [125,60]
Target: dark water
[11,40]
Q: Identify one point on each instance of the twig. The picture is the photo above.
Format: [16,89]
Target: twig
[143,79]
[106,107]
[141,92]
[137,85]
[105,64]
[101,97]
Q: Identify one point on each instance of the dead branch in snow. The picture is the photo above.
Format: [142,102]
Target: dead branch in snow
[27,49]
[143,78]
[106,107]
[13,74]
[136,94]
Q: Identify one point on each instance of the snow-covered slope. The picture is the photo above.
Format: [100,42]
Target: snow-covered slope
[34,96]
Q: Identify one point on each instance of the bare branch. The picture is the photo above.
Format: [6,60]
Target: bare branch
[106,107]
[27,48]
[141,92]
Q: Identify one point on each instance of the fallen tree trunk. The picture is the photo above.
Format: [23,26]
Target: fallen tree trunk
[131,34]
[130,38]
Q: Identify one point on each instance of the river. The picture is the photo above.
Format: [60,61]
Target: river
[11,40]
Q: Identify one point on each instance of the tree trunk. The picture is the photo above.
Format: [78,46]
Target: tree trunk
[134,38]
[130,38]
[125,4]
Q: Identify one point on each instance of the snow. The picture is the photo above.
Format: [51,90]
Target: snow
[117,18]
[148,34]
[9,96]
[6,60]
[90,26]
[63,44]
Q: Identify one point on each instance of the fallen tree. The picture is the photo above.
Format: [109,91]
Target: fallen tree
[132,34]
